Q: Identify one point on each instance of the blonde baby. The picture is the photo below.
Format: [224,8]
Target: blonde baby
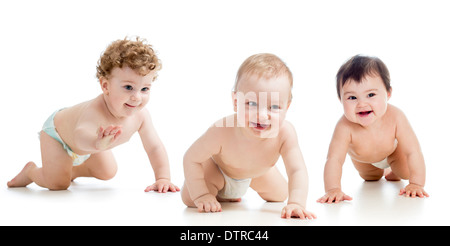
[240,150]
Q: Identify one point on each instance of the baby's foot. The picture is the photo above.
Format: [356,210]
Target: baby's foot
[390,176]
[22,180]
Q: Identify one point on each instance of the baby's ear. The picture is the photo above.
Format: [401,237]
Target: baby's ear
[104,84]
[234,97]
[389,93]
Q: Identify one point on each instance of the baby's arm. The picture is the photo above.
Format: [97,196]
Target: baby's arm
[333,166]
[199,152]
[157,155]
[410,146]
[297,176]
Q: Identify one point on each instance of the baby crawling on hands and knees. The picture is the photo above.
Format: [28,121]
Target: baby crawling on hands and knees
[240,151]
[77,141]
[376,135]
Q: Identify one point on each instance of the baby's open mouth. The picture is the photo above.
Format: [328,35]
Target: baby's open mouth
[364,113]
[259,126]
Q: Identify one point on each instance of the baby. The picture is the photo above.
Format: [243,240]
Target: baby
[241,150]
[376,135]
[77,141]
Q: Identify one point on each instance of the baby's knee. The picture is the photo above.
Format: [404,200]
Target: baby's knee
[274,196]
[281,197]
[276,199]
[107,174]
[374,174]
[59,184]
[371,177]
[186,198]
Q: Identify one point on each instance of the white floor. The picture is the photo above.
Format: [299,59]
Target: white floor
[122,201]
[201,48]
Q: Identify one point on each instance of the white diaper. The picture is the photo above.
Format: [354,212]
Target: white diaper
[382,164]
[234,188]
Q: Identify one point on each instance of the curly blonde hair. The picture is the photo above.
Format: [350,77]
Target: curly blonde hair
[137,55]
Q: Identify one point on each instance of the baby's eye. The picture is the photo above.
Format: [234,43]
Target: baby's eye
[275,107]
[371,95]
[145,89]
[128,87]
[252,104]
[351,98]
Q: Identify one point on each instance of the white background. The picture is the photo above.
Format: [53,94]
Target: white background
[49,50]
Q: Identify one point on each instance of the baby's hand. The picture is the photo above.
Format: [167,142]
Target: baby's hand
[107,136]
[334,195]
[208,203]
[413,190]
[162,186]
[296,211]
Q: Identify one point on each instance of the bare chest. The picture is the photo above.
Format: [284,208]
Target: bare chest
[372,147]
[70,119]
[128,128]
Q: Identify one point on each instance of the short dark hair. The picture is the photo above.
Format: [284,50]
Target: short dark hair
[358,67]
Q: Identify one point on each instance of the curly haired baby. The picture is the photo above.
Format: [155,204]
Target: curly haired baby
[77,141]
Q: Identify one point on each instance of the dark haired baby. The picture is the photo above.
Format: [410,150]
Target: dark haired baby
[376,135]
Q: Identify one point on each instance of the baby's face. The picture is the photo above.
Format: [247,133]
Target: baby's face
[261,104]
[365,102]
[126,91]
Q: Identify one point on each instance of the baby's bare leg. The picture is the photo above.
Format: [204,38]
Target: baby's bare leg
[389,175]
[101,165]
[367,171]
[399,164]
[271,186]
[56,167]
[213,178]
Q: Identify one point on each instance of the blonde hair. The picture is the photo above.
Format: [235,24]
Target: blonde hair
[137,55]
[264,64]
